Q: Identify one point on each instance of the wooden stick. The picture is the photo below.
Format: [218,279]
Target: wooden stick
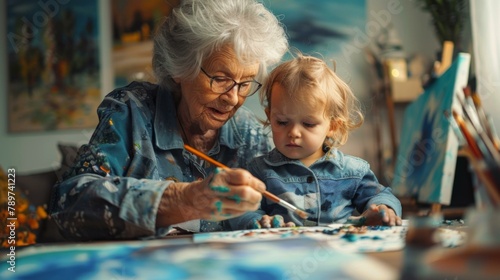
[265,193]
[446,57]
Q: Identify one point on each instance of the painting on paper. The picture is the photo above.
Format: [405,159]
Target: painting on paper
[134,22]
[53,65]
[426,162]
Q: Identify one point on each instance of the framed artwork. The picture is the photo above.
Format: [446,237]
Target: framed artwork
[134,21]
[426,162]
[53,65]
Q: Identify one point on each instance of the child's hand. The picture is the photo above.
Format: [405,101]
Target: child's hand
[276,221]
[377,215]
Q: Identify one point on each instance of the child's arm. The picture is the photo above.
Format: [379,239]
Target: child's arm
[376,202]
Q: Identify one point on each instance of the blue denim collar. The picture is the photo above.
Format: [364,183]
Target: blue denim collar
[167,135]
[333,156]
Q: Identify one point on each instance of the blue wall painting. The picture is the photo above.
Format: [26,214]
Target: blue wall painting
[425,166]
[323,26]
[53,64]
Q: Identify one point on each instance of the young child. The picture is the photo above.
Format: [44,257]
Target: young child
[311,111]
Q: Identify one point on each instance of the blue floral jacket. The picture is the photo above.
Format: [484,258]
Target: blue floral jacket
[329,190]
[115,186]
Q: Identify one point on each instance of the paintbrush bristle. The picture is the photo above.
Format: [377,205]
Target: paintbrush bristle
[301,214]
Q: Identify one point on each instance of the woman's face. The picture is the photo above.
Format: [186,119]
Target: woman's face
[200,108]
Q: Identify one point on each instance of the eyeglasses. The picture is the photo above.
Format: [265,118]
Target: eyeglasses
[221,84]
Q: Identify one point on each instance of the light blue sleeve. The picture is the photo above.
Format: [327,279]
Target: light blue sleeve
[112,191]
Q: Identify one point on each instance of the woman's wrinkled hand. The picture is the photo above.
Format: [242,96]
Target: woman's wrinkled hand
[227,193]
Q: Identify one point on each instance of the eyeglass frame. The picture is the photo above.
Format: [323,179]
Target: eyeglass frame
[212,78]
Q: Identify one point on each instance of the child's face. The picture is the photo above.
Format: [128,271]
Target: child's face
[299,130]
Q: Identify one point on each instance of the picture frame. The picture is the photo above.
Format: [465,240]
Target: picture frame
[53,65]
[134,23]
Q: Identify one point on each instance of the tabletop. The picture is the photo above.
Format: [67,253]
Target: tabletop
[287,253]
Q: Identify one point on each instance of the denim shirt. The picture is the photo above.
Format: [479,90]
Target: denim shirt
[329,190]
[115,186]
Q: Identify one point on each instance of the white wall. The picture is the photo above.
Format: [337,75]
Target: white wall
[30,152]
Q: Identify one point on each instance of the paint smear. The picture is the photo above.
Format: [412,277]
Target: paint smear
[255,224]
[236,198]
[277,221]
[218,205]
[357,221]
[221,189]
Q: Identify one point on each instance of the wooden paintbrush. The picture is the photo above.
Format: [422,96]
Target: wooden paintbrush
[265,193]
[477,161]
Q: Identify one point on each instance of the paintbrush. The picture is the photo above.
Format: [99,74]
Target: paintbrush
[476,100]
[477,160]
[265,193]
[484,142]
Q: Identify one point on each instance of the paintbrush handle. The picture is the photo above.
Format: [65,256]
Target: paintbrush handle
[264,192]
[205,157]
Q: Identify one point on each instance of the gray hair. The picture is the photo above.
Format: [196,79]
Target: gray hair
[196,28]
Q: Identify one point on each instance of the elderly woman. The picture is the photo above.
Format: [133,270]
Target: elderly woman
[135,179]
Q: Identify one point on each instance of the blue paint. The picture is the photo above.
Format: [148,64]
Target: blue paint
[277,221]
[255,224]
[357,221]
[236,198]
[218,205]
[332,231]
[350,237]
[382,213]
[221,189]
[379,228]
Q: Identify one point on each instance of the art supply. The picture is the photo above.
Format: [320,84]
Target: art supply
[485,120]
[478,129]
[476,158]
[468,137]
[265,193]
[455,128]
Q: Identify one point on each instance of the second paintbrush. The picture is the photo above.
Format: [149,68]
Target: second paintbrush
[265,193]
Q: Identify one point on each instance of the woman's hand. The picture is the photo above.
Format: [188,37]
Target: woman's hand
[377,215]
[275,221]
[227,193]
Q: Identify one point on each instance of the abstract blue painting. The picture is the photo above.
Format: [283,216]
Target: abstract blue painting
[160,259]
[322,26]
[425,166]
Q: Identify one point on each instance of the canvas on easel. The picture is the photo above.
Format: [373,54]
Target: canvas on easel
[425,166]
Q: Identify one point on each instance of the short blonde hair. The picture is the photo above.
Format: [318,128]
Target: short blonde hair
[309,80]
